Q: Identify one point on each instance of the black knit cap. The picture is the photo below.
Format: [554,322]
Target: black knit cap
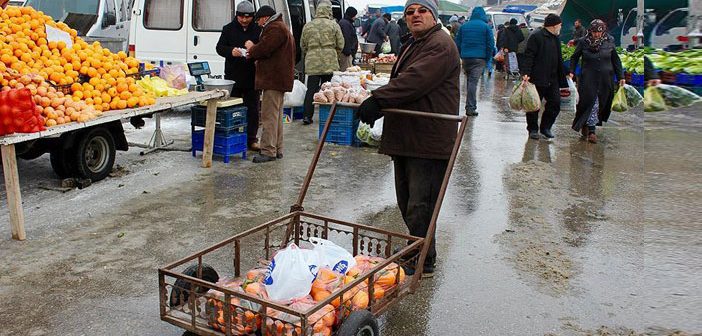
[552,20]
[350,12]
[513,22]
[265,11]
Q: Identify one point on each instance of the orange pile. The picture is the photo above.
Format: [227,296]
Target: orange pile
[25,51]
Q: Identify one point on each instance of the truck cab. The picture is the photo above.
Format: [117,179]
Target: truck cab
[165,32]
[670,33]
[106,21]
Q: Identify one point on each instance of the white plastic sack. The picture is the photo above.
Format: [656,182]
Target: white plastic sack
[386,48]
[332,255]
[570,101]
[291,273]
[512,62]
[376,131]
[297,96]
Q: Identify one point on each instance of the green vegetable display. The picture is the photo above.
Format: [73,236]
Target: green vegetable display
[688,61]
[567,51]
[653,100]
[619,103]
[675,96]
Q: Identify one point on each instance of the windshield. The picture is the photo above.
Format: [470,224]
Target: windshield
[499,19]
[57,9]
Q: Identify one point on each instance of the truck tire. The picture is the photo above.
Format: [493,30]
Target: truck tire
[181,288]
[62,162]
[359,323]
[95,154]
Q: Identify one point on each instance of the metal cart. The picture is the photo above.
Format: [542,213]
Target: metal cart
[186,294]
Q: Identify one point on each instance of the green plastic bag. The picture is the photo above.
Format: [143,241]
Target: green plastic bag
[676,96]
[619,103]
[633,97]
[653,100]
[515,99]
[364,134]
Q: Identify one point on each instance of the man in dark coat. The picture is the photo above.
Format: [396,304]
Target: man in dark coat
[543,66]
[377,33]
[425,78]
[240,69]
[275,57]
[595,86]
[350,39]
[511,37]
[521,48]
[578,30]
[392,30]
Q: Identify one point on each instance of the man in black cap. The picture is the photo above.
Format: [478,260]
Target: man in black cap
[240,69]
[543,66]
[350,39]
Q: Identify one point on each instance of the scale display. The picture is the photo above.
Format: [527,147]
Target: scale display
[199,68]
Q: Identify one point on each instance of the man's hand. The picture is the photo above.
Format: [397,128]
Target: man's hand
[654,82]
[369,111]
[248,45]
[622,82]
[236,52]
[571,75]
[526,78]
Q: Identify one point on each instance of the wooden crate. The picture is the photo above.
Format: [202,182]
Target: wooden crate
[383,67]
[366,66]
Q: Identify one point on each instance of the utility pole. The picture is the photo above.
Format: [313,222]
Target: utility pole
[694,24]
[640,23]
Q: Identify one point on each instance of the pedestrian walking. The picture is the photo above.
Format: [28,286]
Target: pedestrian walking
[322,42]
[240,69]
[543,66]
[392,30]
[476,46]
[377,33]
[350,39]
[454,26]
[521,48]
[511,37]
[595,87]
[425,78]
[275,61]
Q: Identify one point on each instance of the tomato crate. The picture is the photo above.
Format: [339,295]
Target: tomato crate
[344,114]
[225,144]
[227,117]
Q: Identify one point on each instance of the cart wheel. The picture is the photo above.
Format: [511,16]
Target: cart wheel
[181,288]
[95,154]
[62,162]
[359,323]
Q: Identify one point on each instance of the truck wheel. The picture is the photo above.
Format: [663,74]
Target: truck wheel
[359,323]
[95,154]
[62,162]
[181,288]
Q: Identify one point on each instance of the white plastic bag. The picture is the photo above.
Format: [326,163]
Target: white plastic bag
[291,273]
[376,132]
[332,255]
[297,96]
[569,101]
[386,48]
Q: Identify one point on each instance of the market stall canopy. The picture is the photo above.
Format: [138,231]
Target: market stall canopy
[449,8]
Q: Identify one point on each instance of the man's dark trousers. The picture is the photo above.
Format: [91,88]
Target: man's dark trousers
[551,109]
[417,184]
[252,99]
[314,82]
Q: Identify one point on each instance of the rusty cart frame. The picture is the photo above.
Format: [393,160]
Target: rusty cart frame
[189,310]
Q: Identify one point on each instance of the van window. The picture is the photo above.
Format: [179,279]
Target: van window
[212,15]
[163,14]
[675,19]
[109,15]
[58,9]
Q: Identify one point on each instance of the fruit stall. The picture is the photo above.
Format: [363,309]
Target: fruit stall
[66,97]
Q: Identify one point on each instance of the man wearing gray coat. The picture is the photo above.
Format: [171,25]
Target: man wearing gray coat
[377,33]
[392,30]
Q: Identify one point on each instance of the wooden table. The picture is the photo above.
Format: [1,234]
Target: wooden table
[9,158]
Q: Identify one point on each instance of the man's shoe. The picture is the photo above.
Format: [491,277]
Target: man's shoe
[592,138]
[471,113]
[534,135]
[547,133]
[260,158]
[306,121]
[279,156]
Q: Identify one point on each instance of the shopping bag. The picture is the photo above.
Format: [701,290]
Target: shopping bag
[569,98]
[633,97]
[515,99]
[332,255]
[376,131]
[291,273]
[175,75]
[500,56]
[653,100]
[531,101]
[619,103]
[675,96]
[386,48]
[512,62]
[296,97]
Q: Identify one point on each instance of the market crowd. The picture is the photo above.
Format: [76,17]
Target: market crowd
[260,52]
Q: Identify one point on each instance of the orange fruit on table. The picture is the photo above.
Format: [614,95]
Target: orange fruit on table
[121,104]
[124,95]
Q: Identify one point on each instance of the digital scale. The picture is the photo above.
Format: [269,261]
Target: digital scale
[197,70]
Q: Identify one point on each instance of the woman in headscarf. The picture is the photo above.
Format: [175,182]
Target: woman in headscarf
[596,84]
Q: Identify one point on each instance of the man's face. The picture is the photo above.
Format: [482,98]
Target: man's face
[244,21]
[556,30]
[419,19]
[577,24]
[262,20]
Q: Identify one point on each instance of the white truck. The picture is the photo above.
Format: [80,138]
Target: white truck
[165,32]
[106,21]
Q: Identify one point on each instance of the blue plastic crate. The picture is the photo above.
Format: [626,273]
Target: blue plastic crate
[224,145]
[292,113]
[341,133]
[691,80]
[227,117]
[343,114]
[637,80]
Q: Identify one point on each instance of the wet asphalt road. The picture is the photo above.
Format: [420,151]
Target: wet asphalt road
[541,237]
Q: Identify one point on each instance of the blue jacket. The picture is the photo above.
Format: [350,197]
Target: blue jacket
[475,38]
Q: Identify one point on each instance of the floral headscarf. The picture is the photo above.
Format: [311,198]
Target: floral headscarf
[596,25]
